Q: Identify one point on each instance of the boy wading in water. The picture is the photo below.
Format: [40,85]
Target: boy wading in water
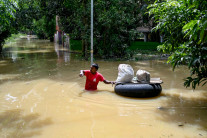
[93,77]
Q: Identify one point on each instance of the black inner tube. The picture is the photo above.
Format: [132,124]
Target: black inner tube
[138,90]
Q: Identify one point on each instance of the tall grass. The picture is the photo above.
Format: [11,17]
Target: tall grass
[13,37]
[137,45]
[76,45]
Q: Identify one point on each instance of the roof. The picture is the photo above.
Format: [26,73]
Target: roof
[143,29]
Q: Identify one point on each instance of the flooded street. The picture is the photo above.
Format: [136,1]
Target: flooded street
[42,96]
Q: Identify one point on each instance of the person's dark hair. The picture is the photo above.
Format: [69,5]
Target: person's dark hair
[95,65]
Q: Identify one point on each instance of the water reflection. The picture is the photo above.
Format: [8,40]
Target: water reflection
[63,53]
[14,54]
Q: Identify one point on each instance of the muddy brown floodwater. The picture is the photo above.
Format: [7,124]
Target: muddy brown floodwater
[42,96]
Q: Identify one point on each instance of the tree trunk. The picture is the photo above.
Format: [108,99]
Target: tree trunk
[1,49]
[83,48]
[86,50]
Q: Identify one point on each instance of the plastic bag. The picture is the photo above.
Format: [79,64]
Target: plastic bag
[125,74]
[143,76]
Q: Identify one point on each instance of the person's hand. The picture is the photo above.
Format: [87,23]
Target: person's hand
[113,82]
[81,73]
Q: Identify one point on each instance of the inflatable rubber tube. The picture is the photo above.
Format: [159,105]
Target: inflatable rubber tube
[138,90]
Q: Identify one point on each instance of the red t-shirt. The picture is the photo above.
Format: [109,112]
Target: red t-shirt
[92,80]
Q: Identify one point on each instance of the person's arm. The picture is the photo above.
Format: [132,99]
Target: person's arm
[108,82]
[82,73]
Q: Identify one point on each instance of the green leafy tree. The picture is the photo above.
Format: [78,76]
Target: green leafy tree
[115,24]
[7,19]
[28,11]
[183,23]
[75,20]
[48,13]
[29,16]
[35,16]
[44,28]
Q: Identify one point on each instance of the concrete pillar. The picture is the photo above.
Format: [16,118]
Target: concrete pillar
[161,39]
[145,37]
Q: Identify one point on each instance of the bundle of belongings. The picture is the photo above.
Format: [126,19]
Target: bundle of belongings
[143,76]
[126,75]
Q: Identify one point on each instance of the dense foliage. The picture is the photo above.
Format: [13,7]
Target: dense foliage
[7,19]
[33,17]
[115,24]
[183,23]
[28,16]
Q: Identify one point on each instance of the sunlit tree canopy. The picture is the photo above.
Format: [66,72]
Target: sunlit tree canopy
[183,23]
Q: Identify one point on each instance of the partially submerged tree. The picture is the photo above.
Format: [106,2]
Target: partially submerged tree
[7,20]
[184,26]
